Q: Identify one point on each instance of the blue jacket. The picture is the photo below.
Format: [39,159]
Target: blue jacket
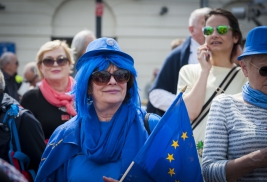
[63,145]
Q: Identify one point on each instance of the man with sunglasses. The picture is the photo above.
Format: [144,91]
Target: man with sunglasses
[235,143]
[164,90]
[9,65]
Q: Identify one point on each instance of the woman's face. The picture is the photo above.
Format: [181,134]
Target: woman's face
[55,71]
[217,42]
[256,81]
[110,93]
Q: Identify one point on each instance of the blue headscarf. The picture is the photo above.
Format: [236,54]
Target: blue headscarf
[100,62]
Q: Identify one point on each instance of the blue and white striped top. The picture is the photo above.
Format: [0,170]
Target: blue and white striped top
[233,130]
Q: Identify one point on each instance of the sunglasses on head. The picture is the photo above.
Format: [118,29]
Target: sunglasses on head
[221,29]
[262,70]
[103,77]
[49,62]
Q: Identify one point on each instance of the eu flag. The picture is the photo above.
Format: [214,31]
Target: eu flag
[170,152]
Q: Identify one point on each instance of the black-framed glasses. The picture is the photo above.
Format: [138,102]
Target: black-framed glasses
[49,62]
[221,29]
[262,70]
[103,77]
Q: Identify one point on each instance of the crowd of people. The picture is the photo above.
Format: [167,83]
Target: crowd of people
[84,120]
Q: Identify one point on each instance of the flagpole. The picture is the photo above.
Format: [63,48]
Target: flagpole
[126,172]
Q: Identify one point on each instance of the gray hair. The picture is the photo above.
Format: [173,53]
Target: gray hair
[31,66]
[79,43]
[196,13]
[5,59]
[2,81]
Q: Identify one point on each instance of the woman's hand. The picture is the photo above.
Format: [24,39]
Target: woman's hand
[259,158]
[203,56]
[109,179]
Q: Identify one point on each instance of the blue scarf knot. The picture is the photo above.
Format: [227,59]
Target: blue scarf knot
[254,97]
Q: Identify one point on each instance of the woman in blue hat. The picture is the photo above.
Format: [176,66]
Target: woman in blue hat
[108,131]
[236,135]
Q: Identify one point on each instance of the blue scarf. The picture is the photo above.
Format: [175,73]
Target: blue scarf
[106,147]
[254,97]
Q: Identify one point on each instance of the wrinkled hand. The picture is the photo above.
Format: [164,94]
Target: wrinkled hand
[203,56]
[259,158]
[109,179]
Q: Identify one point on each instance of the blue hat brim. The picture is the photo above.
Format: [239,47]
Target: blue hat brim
[90,54]
[249,54]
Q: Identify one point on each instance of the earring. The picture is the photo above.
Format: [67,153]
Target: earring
[89,99]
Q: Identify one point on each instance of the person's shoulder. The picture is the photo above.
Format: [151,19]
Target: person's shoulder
[65,130]
[191,68]
[223,99]
[32,92]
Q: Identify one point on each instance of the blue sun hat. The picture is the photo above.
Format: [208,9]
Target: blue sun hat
[256,42]
[100,46]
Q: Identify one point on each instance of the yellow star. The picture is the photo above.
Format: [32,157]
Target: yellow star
[184,135]
[177,181]
[171,171]
[175,144]
[170,157]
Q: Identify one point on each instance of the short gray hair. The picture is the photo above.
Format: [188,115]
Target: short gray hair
[79,43]
[5,59]
[196,13]
[2,81]
[31,66]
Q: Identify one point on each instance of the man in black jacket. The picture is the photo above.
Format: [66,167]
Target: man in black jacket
[30,131]
[164,90]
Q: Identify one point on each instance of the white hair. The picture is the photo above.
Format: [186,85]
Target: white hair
[196,13]
[79,43]
[5,59]
[2,81]
[31,66]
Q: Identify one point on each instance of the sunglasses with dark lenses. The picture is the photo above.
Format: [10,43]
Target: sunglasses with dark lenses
[221,29]
[61,61]
[103,77]
[262,70]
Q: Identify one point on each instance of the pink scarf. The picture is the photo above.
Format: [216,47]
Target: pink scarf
[58,99]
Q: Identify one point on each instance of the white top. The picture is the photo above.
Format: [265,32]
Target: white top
[189,75]
[193,52]
[234,129]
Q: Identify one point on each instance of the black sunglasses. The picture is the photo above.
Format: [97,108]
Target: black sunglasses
[221,29]
[61,61]
[262,70]
[103,77]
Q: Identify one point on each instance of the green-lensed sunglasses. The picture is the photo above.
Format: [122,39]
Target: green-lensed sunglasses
[221,29]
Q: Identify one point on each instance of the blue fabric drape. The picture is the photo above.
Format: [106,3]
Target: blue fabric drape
[254,97]
[106,147]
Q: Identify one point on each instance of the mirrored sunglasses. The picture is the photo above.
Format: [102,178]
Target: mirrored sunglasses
[61,61]
[262,70]
[221,29]
[103,77]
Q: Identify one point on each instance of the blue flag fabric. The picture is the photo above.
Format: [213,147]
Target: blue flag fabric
[169,154]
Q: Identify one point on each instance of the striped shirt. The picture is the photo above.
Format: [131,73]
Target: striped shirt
[234,129]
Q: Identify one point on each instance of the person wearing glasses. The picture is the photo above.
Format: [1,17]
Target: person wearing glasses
[204,80]
[9,65]
[108,131]
[51,102]
[235,143]
[31,75]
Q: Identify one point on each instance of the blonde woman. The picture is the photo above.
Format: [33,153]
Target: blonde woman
[50,102]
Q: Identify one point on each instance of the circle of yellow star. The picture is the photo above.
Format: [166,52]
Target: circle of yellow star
[170,157]
[175,144]
[184,136]
[171,171]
